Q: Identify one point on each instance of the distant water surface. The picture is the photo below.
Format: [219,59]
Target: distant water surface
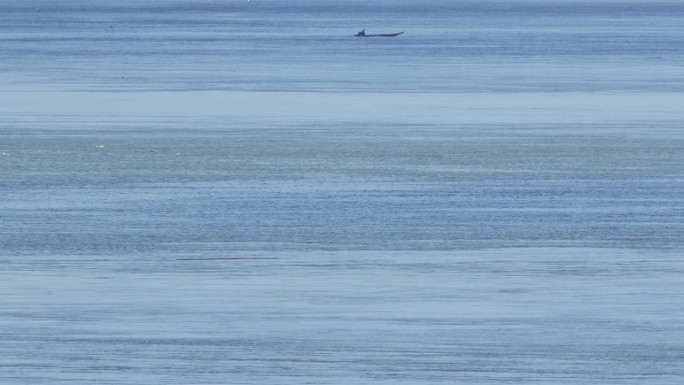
[241,192]
[305,45]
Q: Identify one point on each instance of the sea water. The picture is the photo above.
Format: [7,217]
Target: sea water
[241,192]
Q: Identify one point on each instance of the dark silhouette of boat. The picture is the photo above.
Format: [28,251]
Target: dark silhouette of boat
[363,34]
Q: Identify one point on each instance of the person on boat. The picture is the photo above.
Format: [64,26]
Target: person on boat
[362,33]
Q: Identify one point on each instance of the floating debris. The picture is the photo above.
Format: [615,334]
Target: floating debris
[5,153]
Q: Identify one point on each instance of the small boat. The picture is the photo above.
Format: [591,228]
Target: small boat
[363,34]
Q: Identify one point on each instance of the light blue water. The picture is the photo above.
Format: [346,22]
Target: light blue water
[240,192]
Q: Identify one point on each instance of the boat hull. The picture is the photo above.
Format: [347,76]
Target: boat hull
[381,35]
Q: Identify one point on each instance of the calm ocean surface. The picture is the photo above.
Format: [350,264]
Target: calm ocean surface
[240,192]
